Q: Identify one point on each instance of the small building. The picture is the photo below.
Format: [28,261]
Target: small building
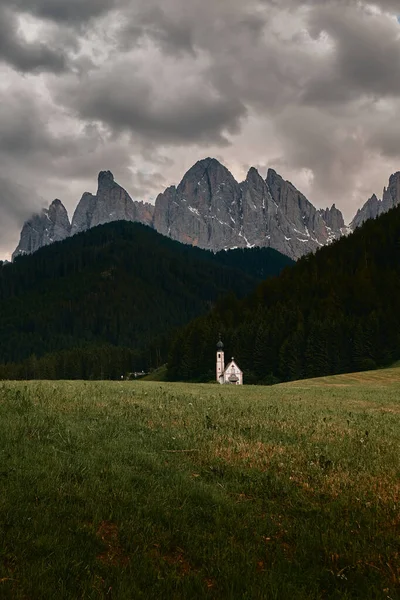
[231,374]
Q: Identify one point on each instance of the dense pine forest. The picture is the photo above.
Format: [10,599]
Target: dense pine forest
[106,302]
[335,311]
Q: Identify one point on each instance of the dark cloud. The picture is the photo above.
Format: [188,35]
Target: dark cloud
[335,149]
[156,23]
[23,125]
[186,110]
[64,11]
[26,56]
[145,88]
[383,135]
[365,57]
[175,28]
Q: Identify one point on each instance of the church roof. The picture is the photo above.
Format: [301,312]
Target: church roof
[229,366]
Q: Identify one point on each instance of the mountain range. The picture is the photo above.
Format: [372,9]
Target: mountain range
[112,299]
[211,210]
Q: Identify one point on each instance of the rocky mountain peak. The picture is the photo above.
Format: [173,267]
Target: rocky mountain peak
[51,225]
[394,188]
[111,203]
[253,176]
[273,178]
[375,207]
[206,201]
[333,218]
[58,210]
[370,210]
[105,178]
[205,177]
[210,209]
[82,218]
[208,164]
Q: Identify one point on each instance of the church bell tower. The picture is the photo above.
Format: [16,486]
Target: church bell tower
[220,361]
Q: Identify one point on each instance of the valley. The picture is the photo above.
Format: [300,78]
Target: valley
[106,302]
[199,300]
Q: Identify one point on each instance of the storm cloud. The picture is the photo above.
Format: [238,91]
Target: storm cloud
[143,88]
[62,11]
[23,55]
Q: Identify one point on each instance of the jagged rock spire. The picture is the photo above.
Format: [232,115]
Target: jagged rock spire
[209,209]
[51,225]
[111,203]
[375,207]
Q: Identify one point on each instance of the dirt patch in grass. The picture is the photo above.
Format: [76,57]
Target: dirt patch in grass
[367,491]
[384,490]
[179,562]
[175,559]
[114,555]
[255,455]
[370,405]
[389,409]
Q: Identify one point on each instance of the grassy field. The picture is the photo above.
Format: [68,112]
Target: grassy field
[130,490]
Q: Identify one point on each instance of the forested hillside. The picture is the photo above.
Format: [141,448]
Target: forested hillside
[334,312]
[105,302]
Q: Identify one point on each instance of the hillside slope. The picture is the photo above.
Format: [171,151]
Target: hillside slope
[334,312]
[105,301]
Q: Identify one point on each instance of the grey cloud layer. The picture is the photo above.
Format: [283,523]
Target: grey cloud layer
[26,56]
[143,87]
[365,59]
[70,11]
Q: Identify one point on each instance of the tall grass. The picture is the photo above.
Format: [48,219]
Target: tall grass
[150,490]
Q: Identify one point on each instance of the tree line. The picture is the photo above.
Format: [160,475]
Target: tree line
[335,311]
[106,302]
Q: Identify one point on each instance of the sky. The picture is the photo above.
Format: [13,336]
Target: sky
[146,88]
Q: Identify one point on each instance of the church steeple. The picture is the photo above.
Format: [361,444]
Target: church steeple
[220,363]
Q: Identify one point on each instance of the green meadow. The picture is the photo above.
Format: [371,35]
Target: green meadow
[130,490]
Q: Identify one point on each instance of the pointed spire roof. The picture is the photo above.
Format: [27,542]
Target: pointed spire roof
[220,345]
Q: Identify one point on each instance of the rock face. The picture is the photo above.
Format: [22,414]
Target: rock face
[203,210]
[370,210]
[375,207]
[111,203]
[333,218]
[304,227]
[51,225]
[81,221]
[209,209]
[391,195]
[212,210]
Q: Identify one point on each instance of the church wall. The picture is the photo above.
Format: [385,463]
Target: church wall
[233,369]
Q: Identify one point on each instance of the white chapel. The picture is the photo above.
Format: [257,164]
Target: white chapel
[230,374]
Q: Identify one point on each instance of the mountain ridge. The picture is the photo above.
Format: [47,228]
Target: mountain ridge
[212,210]
[374,207]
